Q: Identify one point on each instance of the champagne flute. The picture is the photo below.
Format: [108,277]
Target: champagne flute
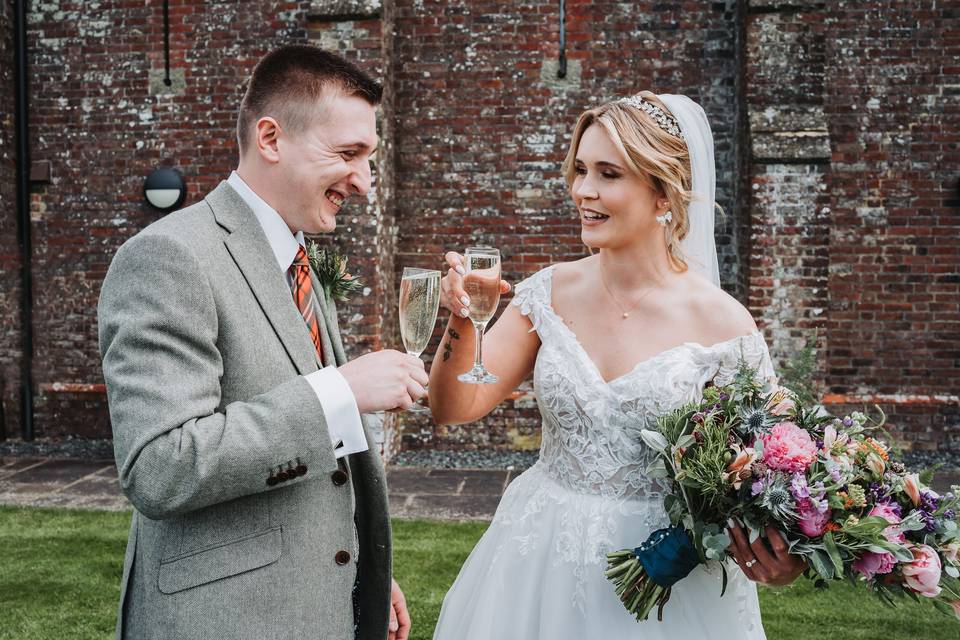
[482,284]
[419,303]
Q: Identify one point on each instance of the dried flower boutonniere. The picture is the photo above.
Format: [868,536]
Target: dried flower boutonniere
[331,270]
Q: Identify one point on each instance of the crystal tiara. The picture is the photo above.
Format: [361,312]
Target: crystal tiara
[663,119]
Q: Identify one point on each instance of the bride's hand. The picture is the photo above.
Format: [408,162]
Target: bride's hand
[453,297]
[771,565]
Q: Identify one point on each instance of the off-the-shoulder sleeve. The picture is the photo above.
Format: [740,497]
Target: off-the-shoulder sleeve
[532,296]
[752,349]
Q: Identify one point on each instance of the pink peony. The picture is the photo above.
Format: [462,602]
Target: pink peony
[888,512]
[871,564]
[923,574]
[811,521]
[789,448]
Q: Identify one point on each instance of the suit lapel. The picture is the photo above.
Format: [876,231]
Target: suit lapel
[251,251]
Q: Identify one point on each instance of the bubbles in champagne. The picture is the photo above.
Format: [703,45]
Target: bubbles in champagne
[482,284]
[419,302]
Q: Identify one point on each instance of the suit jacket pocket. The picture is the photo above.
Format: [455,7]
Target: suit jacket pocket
[222,561]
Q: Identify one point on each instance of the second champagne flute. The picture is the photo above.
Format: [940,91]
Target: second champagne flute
[419,303]
[482,284]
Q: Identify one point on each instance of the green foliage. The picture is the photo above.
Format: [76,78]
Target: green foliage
[798,374]
[331,270]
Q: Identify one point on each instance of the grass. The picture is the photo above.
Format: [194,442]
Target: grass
[60,578]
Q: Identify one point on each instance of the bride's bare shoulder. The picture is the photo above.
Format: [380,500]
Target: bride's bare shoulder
[723,316]
[568,275]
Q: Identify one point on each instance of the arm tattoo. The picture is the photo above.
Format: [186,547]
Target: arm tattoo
[448,347]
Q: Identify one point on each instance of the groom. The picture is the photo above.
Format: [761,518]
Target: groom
[261,507]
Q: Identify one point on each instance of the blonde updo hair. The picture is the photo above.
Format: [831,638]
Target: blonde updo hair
[659,158]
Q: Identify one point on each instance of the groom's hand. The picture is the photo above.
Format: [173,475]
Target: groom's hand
[399,617]
[385,380]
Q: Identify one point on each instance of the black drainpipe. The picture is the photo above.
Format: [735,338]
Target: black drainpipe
[23,218]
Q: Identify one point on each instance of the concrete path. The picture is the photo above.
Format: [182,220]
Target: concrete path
[415,492]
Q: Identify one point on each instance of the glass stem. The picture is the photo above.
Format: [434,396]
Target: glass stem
[478,350]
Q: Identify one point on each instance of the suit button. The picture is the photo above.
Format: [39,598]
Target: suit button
[342,557]
[283,476]
[339,477]
[301,468]
[272,481]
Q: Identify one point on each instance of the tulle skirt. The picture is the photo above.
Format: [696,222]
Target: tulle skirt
[538,572]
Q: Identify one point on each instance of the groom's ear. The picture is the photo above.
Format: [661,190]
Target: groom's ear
[266,136]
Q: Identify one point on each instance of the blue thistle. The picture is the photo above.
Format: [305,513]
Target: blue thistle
[755,420]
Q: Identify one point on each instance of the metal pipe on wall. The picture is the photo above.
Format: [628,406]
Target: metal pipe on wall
[23,218]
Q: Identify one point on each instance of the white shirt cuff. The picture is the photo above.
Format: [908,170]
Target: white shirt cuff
[340,410]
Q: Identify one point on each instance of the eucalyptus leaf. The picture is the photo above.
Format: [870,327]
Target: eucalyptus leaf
[820,562]
[833,553]
[657,469]
[654,440]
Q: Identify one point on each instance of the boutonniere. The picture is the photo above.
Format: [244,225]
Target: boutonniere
[331,270]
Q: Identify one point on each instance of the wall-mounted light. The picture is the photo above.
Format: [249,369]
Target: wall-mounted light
[165,189]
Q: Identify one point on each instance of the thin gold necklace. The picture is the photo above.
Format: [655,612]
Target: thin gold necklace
[626,312]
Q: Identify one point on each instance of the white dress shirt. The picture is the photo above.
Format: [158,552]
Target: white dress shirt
[336,397]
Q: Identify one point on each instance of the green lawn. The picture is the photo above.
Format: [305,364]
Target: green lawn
[60,575]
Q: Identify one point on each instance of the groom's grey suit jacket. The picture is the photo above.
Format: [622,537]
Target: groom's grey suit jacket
[204,353]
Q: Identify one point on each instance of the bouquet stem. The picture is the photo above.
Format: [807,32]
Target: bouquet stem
[638,593]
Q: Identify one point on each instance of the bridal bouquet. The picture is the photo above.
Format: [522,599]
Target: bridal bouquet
[752,452]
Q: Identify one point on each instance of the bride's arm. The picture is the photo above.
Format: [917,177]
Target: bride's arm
[509,351]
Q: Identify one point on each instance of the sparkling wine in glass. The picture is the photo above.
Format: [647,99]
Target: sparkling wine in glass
[419,303]
[482,284]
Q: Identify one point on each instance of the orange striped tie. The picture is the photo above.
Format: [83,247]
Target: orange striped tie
[303,296]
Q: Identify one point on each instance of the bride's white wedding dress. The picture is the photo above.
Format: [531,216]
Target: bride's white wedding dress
[538,570]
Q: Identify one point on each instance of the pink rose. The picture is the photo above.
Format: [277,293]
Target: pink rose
[789,448]
[888,512]
[923,574]
[871,564]
[812,522]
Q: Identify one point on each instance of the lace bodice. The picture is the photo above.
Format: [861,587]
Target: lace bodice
[591,428]
[589,494]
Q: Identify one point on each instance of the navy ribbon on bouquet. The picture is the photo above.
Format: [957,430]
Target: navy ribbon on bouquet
[668,556]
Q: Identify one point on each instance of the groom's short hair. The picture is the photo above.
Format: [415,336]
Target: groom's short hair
[290,83]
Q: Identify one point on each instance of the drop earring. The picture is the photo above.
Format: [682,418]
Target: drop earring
[665,219]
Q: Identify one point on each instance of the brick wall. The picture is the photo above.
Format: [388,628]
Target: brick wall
[853,210]
[103,118]
[893,108]
[10,336]
[483,124]
[836,135]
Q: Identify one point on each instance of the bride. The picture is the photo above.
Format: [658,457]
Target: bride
[613,340]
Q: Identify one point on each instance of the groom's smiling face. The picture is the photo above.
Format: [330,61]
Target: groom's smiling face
[325,164]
